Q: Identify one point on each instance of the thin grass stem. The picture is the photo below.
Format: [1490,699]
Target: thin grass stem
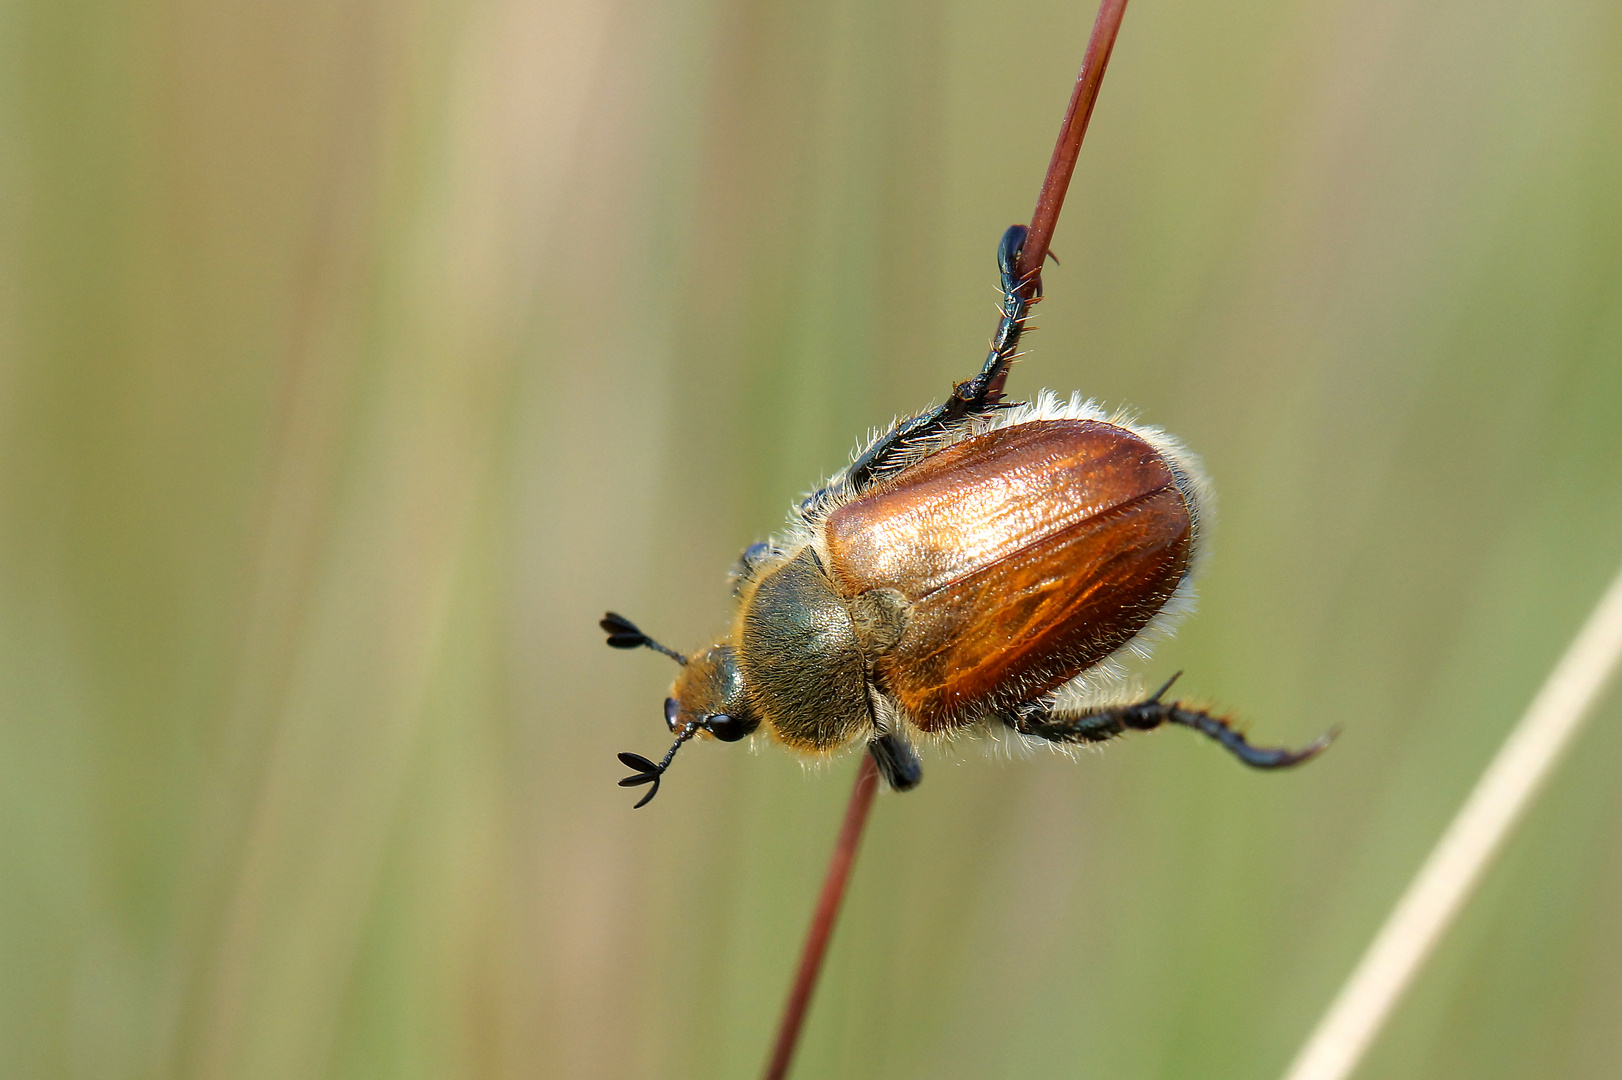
[1500,799]
[822,919]
[1043,220]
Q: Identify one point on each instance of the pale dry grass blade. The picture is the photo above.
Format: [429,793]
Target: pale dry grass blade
[1445,882]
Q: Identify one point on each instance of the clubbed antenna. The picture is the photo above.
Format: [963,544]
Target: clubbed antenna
[648,772]
[623,634]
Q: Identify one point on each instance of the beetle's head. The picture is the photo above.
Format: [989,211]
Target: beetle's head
[707,698]
[709,692]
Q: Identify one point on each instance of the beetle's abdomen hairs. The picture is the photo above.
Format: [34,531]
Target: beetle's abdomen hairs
[1028,554]
[801,659]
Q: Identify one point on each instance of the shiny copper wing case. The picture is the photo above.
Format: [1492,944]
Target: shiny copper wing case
[1027,554]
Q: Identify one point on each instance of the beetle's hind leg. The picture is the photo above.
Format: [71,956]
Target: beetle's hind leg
[1040,719]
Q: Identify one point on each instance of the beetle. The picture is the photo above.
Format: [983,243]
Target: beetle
[982,564]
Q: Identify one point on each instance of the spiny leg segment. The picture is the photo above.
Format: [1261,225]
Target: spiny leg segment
[1098,725]
[979,396]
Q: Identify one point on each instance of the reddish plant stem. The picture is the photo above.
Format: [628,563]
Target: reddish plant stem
[1048,204]
[822,920]
[1043,220]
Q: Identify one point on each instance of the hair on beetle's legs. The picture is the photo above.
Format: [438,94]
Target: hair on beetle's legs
[979,396]
[1100,725]
[1097,725]
[984,391]
[1038,719]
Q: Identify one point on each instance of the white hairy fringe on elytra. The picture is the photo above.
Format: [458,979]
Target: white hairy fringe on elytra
[1106,683]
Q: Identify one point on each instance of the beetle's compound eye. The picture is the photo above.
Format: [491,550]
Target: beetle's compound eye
[671,710]
[730,728]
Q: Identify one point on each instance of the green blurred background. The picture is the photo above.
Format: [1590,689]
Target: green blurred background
[356,356]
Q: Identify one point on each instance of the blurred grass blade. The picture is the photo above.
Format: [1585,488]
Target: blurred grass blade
[1501,797]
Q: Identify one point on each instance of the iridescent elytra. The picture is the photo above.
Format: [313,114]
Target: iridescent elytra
[980,566]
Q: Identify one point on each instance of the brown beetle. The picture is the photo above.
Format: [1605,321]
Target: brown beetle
[979,564]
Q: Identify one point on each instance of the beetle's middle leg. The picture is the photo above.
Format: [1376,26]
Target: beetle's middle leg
[1040,719]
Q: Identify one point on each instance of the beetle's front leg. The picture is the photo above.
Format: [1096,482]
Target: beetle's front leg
[1039,718]
[976,397]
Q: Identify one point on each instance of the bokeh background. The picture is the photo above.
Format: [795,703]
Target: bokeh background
[357,355]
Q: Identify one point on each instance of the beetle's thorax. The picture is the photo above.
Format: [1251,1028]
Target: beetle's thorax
[800,650]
